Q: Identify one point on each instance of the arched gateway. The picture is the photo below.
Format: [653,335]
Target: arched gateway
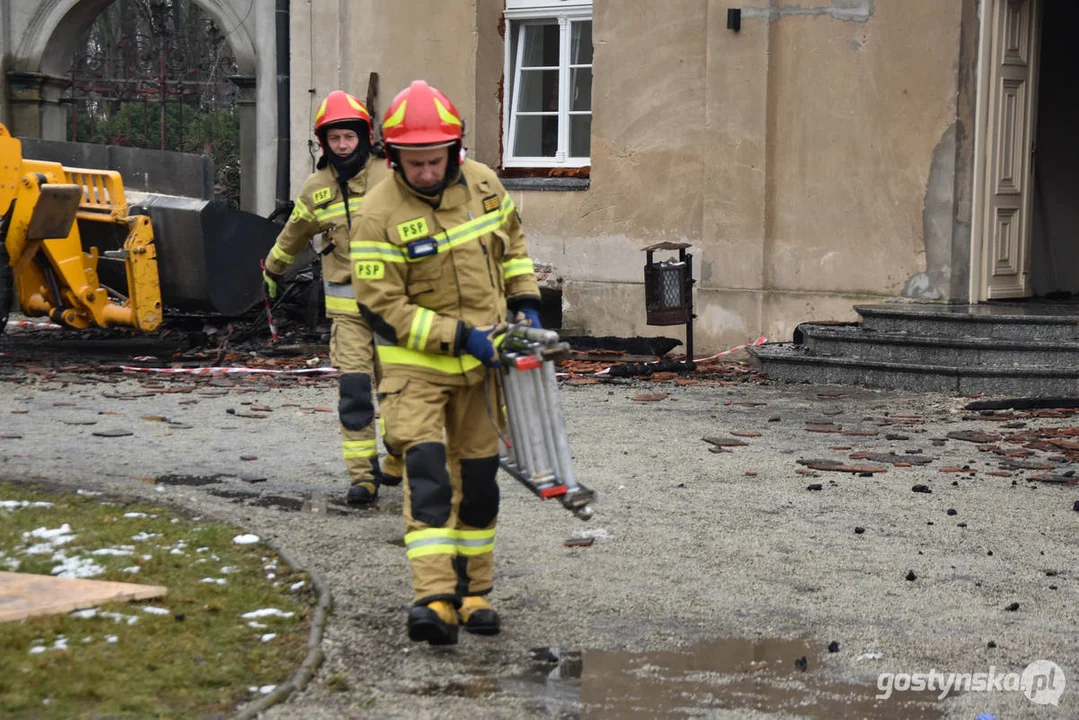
[38,40]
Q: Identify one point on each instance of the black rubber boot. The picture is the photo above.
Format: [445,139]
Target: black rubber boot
[363,492]
[478,617]
[435,624]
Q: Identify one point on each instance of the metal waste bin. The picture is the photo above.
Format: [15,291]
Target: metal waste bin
[668,289]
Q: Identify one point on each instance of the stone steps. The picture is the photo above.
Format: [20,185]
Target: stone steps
[1019,349]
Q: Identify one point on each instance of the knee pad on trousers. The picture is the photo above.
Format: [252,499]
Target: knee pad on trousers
[355,408]
[430,492]
[479,489]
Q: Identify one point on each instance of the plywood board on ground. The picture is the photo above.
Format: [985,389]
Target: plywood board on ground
[23,595]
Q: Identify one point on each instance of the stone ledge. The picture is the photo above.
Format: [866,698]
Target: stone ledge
[547,184]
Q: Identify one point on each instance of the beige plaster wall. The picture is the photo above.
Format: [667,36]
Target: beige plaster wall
[794,156]
[336,44]
[857,110]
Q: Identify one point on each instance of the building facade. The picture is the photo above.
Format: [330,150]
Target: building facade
[814,153]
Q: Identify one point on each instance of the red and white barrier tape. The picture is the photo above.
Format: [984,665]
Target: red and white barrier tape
[759,341]
[228,370]
[32,324]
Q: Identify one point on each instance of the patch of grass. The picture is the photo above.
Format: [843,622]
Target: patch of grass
[198,660]
[337,683]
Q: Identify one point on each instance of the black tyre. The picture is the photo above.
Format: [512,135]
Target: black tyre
[7,277]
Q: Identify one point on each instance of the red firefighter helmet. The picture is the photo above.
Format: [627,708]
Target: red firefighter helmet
[340,108]
[420,115]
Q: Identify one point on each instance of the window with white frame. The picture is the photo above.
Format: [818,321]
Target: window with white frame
[548,90]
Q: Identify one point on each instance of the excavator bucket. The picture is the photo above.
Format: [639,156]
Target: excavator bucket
[207,253]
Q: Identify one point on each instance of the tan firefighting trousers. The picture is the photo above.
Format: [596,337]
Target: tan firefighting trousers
[451,491]
[352,352]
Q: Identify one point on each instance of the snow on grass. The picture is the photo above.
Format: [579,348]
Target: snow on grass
[267,637]
[40,549]
[214,581]
[135,515]
[45,533]
[155,610]
[120,617]
[140,536]
[246,539]
[115,552]
[266,612]
[76,568]
[19,504]
[59,643]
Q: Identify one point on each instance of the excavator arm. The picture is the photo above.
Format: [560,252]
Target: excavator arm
[43,205]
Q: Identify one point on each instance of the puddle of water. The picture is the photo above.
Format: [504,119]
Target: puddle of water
[731,674]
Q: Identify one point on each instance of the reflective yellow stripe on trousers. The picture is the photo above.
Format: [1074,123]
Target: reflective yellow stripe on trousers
[446,541]
[431,541]
[351,449]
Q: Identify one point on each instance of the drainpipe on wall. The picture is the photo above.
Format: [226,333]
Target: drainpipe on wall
[283,149]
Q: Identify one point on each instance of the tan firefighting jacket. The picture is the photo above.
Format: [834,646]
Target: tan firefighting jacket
[425,276]
[320,208]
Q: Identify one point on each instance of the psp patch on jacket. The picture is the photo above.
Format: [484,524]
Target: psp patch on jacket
[412,229]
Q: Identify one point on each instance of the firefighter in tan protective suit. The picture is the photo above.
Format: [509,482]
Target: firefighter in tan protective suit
[438,256]
[329,204]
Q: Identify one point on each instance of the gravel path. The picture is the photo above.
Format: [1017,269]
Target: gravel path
[710,575]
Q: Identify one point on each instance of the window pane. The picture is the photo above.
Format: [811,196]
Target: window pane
[580,89]
[580,135]
[581,43]
[539,91]
[541,46]
[536,136]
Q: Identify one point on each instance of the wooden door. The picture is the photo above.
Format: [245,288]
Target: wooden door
[1009,167]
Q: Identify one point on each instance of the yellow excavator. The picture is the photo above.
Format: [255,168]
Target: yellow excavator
[77,249]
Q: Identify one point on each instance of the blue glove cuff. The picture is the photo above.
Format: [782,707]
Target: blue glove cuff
[479,346]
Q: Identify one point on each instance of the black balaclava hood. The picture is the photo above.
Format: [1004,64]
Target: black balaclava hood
[347,167]
[453,169]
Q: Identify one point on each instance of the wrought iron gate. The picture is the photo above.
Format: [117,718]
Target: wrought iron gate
[155,74]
